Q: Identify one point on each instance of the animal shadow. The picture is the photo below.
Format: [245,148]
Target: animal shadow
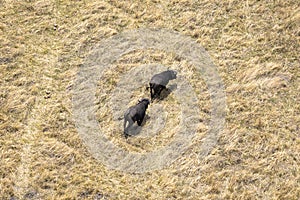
[166,92]
[135,129]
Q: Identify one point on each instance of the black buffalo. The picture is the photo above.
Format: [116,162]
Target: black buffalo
[135,114]
[159,82]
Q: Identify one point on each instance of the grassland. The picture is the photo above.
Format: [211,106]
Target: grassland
[255,46]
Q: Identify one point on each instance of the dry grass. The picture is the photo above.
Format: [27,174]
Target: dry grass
[255,45]
[170,105]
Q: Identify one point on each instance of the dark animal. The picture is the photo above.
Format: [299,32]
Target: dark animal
[159,82]
[135,114]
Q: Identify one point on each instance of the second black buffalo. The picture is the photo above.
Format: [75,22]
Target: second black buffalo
[159,82]
[135,114]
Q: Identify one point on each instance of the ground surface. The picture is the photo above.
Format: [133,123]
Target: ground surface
[255,46]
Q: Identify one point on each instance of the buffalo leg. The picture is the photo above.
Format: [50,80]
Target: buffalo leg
[152,91]
[155,91]
[139,122]
[130,123]
[161,87]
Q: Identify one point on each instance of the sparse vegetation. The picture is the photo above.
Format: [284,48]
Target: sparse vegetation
[255,45]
